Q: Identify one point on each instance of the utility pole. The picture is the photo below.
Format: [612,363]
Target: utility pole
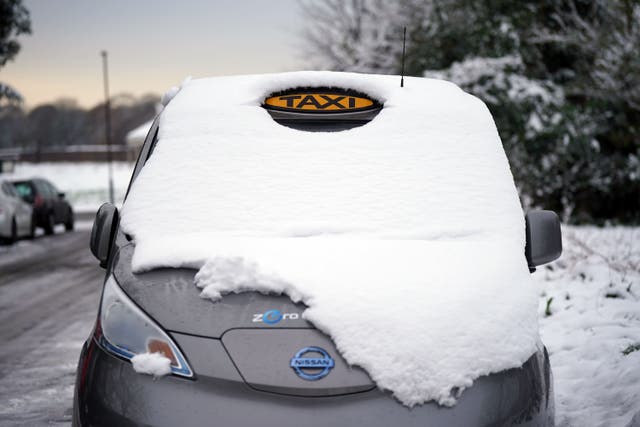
[107,121]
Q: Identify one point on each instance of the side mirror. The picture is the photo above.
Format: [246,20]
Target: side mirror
[61,195]
[544,239]
[103,232]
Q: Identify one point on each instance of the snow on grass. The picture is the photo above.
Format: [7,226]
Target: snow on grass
[85,184]
[155,364]
[592,325]
[404,237]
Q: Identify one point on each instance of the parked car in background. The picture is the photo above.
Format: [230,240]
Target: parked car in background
[16,216]
[49,205]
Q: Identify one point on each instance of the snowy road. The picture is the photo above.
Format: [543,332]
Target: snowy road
[49,290]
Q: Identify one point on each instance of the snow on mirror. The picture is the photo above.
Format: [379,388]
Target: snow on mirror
[404,237]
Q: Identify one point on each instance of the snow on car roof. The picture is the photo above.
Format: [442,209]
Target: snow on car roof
[404,237]
[430,164]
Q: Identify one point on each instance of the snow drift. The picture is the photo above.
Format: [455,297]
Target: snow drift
[404,237]
[155,364]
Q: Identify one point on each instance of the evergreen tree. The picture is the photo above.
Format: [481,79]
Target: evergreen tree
[14,20]
[561,77]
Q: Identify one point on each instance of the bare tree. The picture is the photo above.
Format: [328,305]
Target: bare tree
[359,35]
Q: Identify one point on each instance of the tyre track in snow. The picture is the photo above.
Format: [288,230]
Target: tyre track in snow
[56,304]
[42,254]
[49,292]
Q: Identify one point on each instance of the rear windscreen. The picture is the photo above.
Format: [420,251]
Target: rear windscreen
[430,165]
[24,189]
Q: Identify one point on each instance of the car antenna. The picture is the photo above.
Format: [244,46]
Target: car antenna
[404,39]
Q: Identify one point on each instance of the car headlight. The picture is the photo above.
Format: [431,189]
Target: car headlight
[126,331]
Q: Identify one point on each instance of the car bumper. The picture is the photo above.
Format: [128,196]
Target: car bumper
[109,392]
[5,225]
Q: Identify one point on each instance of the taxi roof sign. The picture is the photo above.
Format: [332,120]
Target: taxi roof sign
[320,100]
[321,109]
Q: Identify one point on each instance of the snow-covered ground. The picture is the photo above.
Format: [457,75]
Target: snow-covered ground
[49,294]
[592,326]
[85,184]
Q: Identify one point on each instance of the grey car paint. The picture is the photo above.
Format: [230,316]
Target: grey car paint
[164,294]
[113,394]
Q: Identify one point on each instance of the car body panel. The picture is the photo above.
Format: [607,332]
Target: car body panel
[164,295]
[13,208]
[263,355]
[109,392]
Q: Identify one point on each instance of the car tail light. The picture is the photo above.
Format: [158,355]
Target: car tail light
[125,330]
[38,201]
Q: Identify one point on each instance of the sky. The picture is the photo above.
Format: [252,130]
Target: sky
[152,45]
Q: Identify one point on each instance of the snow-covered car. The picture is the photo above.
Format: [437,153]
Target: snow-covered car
[16,216]
[50,207]
[319,249]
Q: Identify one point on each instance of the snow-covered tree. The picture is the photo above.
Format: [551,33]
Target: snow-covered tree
[561,77]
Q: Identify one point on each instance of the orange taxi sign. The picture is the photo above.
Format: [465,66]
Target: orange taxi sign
[319,101]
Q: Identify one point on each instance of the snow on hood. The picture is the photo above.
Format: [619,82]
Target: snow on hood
[404,237]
